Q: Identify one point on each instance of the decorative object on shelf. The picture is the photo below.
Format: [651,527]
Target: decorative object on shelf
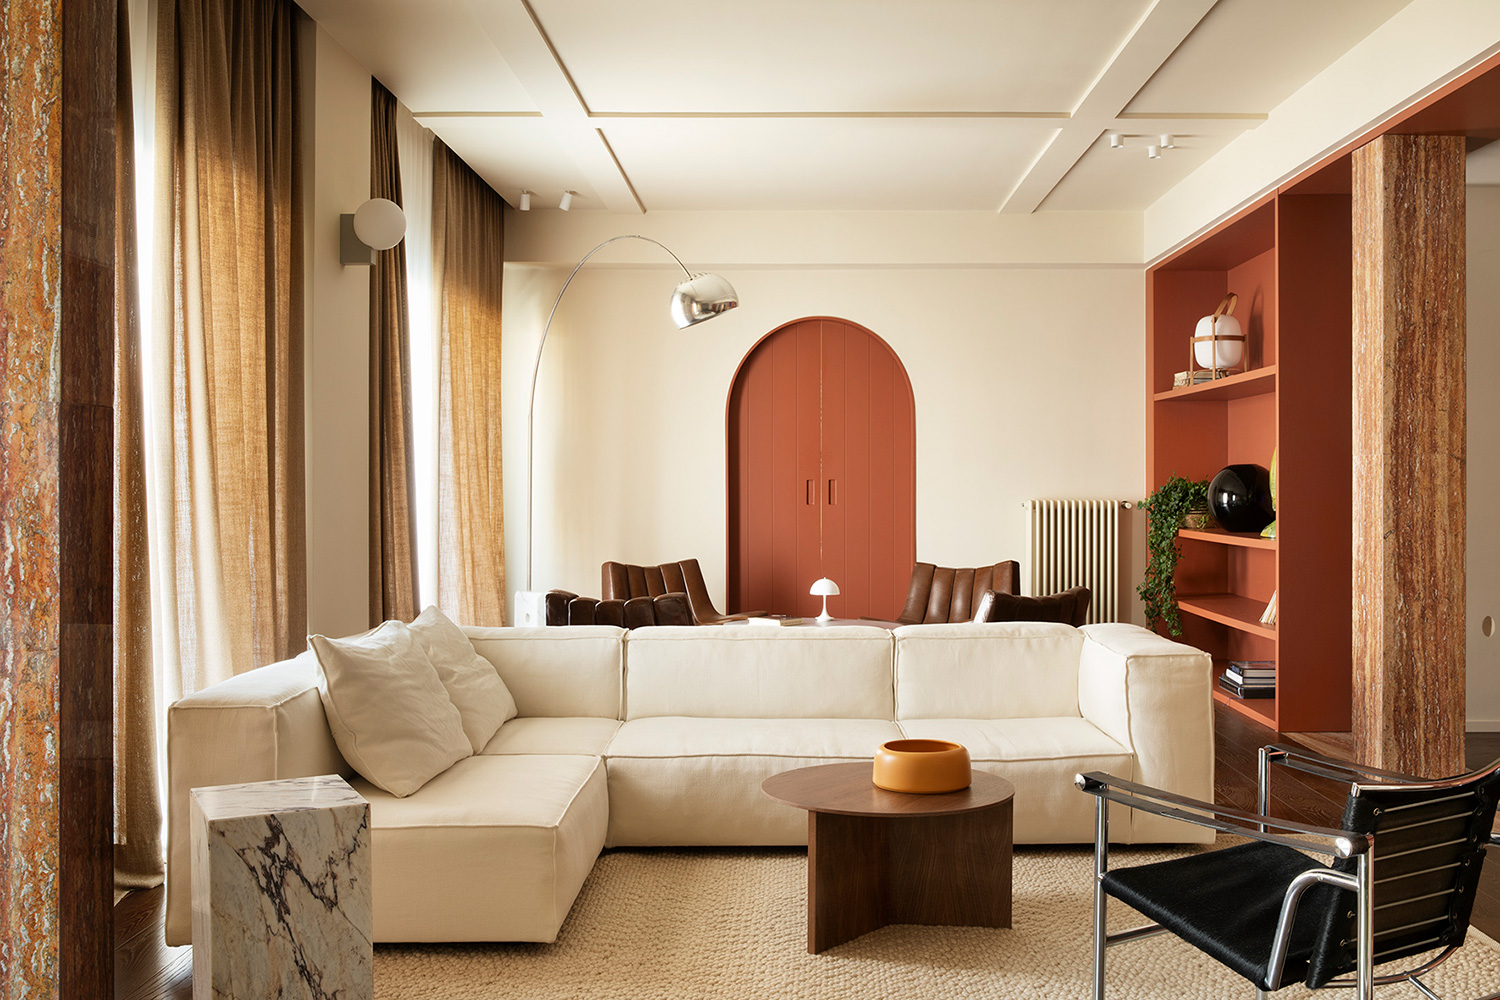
[925,767]
[1201,375]
[700,297]
[1240,497]
[1269,531]
[1268,617]
[1217,341]
[1199,518]
[1166,511]
[824,588]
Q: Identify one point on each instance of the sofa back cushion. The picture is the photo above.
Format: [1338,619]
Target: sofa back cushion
[557,672]
[743,671]
[1007,670]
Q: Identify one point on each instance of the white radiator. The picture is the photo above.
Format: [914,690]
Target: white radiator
[1072,543]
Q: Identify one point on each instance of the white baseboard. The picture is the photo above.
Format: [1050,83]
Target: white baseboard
[1482,725]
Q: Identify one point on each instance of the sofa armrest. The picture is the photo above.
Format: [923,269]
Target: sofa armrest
[263,724]
[1154,697]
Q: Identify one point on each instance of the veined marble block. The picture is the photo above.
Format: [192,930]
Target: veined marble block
[281,891]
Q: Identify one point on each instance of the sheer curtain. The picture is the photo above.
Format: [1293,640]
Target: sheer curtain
[226,388]
[468,267]
[393,570]
[414,144]
[138,844]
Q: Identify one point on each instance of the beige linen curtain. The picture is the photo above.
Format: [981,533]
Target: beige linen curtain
[393,566]
[468,263]
[229,565]
[138,849]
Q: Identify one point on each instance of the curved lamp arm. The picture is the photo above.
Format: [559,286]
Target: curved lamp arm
[704,305]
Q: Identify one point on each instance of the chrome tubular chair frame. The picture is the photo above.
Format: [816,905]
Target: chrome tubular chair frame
[1261,826]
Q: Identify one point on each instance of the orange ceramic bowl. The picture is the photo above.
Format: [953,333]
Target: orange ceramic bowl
[923,766]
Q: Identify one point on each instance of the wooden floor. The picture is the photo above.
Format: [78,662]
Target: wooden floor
[146,969]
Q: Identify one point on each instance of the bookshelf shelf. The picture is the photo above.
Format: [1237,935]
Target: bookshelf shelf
[1252,383]
[1288,258]
[1242,613]
[1243,539]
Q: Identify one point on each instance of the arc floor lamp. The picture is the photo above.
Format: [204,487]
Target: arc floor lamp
[700,297]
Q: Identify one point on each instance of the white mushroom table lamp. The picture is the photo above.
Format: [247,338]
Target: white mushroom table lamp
[824,588]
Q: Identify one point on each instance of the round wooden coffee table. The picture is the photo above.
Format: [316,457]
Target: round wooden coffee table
[876,857]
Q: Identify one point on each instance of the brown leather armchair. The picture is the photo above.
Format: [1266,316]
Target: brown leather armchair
[622,581]
[567,608]
[943,594]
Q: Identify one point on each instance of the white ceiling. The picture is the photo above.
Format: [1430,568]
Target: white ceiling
[842,104]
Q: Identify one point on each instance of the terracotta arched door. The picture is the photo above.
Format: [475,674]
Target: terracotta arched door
[822,472]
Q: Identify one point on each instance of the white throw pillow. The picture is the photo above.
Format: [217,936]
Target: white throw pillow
[389,713]
[481,697]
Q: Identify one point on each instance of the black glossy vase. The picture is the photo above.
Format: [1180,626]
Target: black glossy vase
[1240,498]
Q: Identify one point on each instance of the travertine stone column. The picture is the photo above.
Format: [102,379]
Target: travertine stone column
[281,891]
[57,215]
[1409,438]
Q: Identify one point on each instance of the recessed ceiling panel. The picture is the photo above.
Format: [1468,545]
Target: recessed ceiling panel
[1247,56]
[836,55]
[1126,179]
[512,154]
[430,53]
[858,164]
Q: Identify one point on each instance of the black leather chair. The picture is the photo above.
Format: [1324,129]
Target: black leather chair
[1404,866]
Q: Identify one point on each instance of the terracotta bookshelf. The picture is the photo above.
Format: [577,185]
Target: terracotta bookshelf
[1288,259]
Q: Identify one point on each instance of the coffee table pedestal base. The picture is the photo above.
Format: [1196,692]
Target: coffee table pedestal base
[865,872]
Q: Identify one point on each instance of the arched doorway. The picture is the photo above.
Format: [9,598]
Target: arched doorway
[822,472]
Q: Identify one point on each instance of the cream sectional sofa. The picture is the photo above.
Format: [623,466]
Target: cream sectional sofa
[662,736]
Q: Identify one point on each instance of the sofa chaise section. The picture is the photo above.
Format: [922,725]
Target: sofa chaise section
[494,848]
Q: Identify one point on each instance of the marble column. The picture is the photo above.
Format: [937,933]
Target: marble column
[281,891]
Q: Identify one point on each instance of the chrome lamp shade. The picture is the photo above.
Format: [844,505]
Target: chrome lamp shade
[701,297]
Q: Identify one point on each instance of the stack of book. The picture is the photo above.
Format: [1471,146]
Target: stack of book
[774,620]
[1200,375]
[1250,678]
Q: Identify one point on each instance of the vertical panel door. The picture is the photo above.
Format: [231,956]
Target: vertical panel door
[822,460]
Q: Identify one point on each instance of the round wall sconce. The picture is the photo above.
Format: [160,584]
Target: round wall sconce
[378,224]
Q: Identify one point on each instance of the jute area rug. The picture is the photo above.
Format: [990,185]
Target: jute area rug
[733,924]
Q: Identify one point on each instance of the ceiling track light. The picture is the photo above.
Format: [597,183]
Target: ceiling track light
[1166,141]
[1116,141]
[567,201]
[1153,152]
[525,201]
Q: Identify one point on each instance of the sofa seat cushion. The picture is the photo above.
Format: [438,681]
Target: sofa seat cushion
[493,849]
[585,735]
[1040,757]
[716,766]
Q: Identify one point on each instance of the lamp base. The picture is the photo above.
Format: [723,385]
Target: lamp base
[825,616]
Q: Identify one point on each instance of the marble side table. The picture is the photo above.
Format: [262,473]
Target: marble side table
[281,891]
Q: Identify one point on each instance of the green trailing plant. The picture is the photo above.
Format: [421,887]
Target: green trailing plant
[1166,510]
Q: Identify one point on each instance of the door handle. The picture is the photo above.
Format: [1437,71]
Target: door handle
[832,496]
[812,494]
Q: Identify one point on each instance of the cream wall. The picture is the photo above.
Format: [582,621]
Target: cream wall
[336,150]
[1483,457]
[1423,46]
[1028,377]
